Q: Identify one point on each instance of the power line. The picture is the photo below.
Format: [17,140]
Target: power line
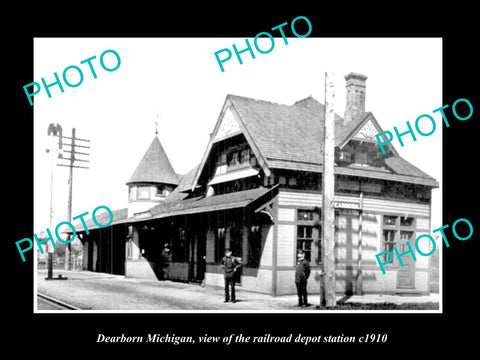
[74,156]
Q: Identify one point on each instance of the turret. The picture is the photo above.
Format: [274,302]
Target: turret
[152,181]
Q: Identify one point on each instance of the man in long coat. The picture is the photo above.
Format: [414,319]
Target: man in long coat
[302,272]
[230,266]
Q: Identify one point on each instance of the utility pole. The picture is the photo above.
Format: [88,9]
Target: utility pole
[71,164]
[328,192]
[360,230]
[53,130]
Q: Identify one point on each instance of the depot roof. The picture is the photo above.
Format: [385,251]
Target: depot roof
[179,206]
[155,167]
[289,137]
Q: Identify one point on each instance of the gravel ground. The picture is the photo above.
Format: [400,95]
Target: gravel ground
[98,291]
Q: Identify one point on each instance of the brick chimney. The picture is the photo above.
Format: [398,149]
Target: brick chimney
[355,96]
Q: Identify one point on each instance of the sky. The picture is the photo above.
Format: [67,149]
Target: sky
[178,83]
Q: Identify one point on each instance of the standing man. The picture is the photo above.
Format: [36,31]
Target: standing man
[230,265]
[302,272]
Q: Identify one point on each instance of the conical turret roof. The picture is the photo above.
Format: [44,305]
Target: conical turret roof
[154,167]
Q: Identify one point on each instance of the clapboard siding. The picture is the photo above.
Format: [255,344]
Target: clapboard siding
[286,246]
[288,198]
[384,206]
[396,207]
[267,245]
[286,214]
[423,224]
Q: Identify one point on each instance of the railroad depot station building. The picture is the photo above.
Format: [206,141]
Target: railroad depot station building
[257,190]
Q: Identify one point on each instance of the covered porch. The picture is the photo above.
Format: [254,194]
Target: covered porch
[185,240]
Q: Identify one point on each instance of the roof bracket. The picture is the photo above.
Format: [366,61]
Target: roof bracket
[267,209]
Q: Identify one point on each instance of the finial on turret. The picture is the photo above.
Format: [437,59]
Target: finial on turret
[156,123]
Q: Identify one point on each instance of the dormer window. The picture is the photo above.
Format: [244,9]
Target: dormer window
[361,158]
[232,159]
[359,153]
[245,156]
[345,156]
[149,192]
[143,192]
[131,192]
[236,157]
[222,159]
[162,191]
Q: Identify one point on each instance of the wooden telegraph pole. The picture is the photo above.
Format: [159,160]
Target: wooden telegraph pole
[73,145]
[360,230]
[328,191]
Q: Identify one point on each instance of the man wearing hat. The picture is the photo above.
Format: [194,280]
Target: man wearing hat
[302,272]
[230,266]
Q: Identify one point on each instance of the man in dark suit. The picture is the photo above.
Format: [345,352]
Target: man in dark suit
[302,272]
[230,266]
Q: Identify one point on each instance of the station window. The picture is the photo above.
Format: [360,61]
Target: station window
[389,220]
[405,236]
[236,239]
[305,215]
[388,243]
[396,231]
[307,232]
[180,247]
[219,244]
[304,240]
[407,221]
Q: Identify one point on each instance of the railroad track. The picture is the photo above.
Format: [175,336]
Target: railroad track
[54,303]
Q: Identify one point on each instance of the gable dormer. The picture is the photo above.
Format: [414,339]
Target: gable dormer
[231,161]
[360,148]
[231,166]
